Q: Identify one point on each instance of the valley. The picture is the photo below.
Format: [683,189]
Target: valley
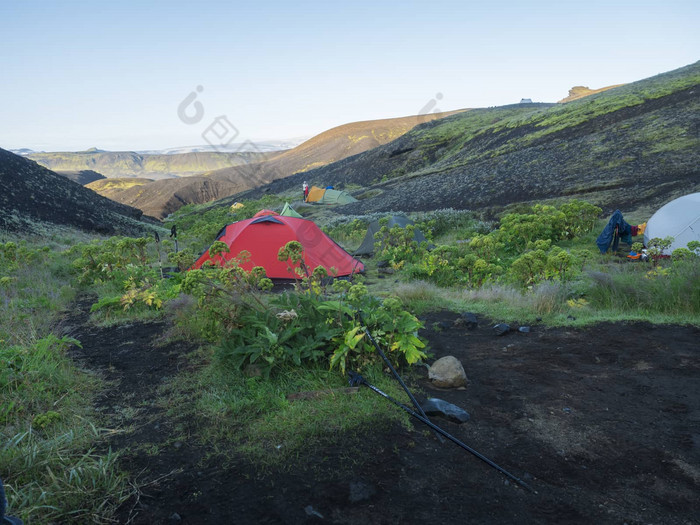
[154,369]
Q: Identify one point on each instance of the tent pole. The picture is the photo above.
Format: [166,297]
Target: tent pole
[396,374]
[356,380]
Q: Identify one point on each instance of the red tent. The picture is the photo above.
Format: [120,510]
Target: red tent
[267,232]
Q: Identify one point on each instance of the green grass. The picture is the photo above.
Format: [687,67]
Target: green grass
[253,417]
[56,476]
[548,302]
[48,435]
[48,429]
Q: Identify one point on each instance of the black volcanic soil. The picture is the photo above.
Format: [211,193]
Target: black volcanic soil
[602,422]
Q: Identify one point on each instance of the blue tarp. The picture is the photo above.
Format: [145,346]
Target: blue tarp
[615,230]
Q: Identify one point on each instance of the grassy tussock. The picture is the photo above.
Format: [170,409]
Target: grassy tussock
[671,291]
[48,430]
[56,476]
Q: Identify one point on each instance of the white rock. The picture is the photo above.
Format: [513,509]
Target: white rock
[447,372]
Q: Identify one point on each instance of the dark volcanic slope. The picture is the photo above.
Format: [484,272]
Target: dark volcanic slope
[32,194]
[639,143]
[82,177]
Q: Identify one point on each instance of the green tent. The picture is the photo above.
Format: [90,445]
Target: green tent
[288,211]
[336,197]
[367,246]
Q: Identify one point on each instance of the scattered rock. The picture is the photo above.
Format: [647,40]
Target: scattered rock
[177,444]
[383,264]
[524,329]
[387,271]
[447,372]
[438,407]
[467,320]
[571,317]
[310,511]
[361,491]
[441,325]
[501,329]
[175,518]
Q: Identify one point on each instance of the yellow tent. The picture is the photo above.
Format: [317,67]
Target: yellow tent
[315,194]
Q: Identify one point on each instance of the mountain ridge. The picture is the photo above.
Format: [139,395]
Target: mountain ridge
[131,164]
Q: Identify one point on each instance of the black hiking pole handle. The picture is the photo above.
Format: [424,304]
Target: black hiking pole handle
[356,379]
[394,372]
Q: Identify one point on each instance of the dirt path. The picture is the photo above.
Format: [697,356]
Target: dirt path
[603,422]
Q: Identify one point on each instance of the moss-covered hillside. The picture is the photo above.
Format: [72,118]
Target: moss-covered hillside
[634,144]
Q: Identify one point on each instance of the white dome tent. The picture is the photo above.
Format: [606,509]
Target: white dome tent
[679,219]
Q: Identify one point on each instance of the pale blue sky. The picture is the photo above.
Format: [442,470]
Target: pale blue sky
[77,74]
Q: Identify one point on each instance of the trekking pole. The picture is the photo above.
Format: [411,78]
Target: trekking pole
[396,374]
[160,259]
[356,380]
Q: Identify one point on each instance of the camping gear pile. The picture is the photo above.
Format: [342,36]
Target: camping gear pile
[679,219]
[617,229]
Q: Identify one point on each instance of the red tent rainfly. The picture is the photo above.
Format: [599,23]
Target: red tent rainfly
[267,232]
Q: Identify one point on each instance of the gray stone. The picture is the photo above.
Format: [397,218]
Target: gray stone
[469,320]
[310,511]
[447,372]
[438,407]
[524,329]
[360,491]
[175,518]
[501,329]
